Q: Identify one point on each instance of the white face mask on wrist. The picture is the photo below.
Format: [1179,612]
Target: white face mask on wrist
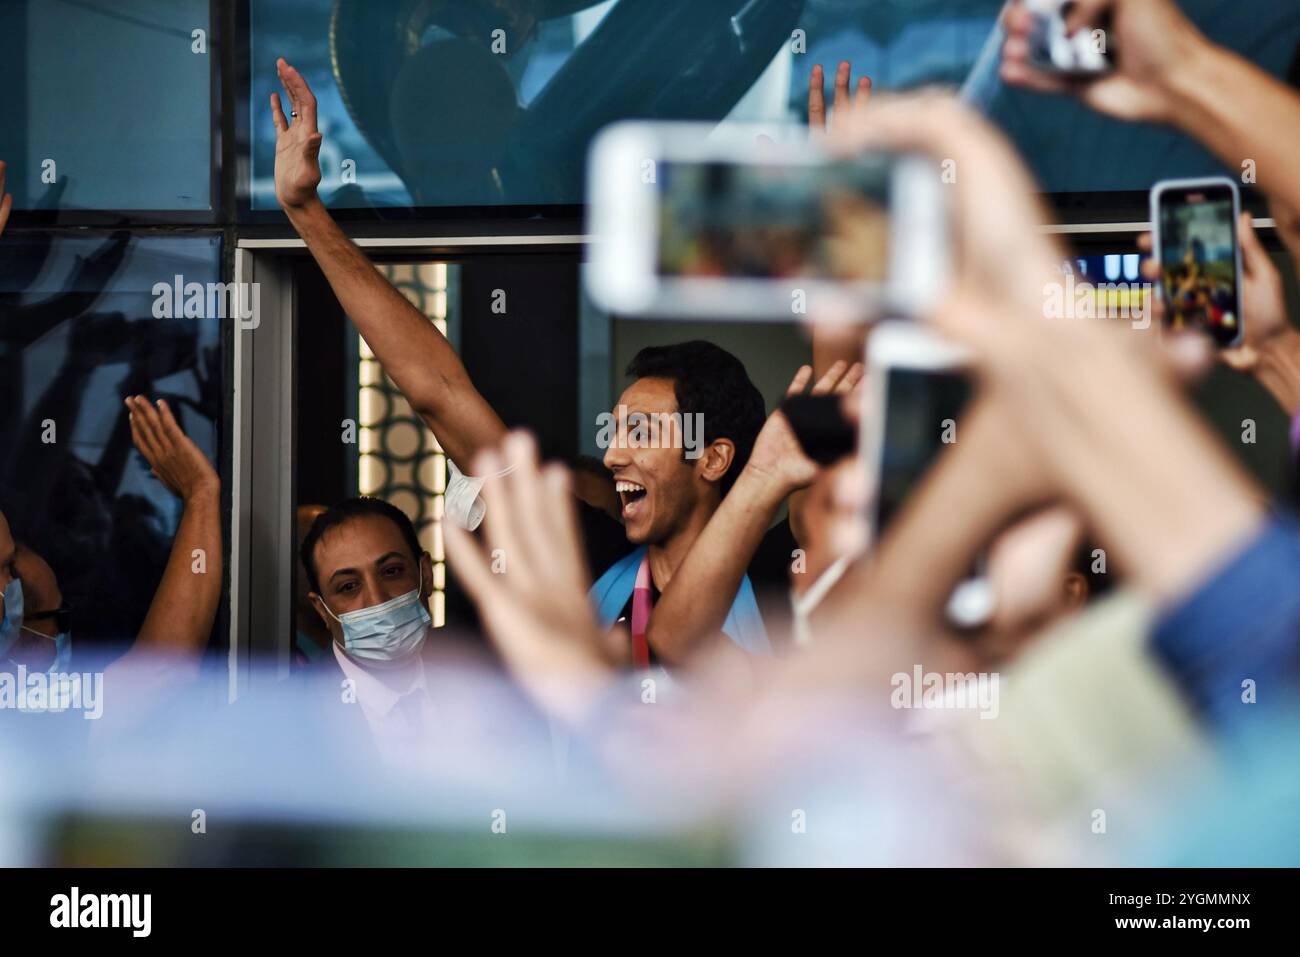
[386,632]
[461,501]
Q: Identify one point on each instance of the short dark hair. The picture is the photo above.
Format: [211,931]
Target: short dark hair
[711,381]
[345,511]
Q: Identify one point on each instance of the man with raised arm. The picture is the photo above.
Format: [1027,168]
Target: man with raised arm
[662,484]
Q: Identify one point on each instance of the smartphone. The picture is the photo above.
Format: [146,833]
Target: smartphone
[824,433]
[917,388]
[691,220]
[1194,224]
[1086,54]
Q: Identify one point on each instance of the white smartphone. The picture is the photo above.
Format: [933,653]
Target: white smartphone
[1050,49]
[692,220]
[1194,235]
[917,389]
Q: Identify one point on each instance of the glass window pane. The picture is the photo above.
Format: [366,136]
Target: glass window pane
[77,334]
[442,104]
[107,106]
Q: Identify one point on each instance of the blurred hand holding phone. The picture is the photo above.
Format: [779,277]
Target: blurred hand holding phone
[1052,49]
[689,220]
[1194,236]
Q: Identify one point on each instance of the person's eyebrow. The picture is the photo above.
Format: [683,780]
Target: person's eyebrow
[385,557]
[343,571]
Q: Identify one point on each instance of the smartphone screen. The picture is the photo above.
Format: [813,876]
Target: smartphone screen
[1198,256]
[775,221]
[922,408]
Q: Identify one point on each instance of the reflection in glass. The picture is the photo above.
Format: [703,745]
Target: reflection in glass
[494,103]
[77,334]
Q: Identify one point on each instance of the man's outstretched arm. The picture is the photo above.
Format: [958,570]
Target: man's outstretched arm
[416,356]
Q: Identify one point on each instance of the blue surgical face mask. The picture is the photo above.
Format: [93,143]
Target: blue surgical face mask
[13,619]
[62,649]
[386,632]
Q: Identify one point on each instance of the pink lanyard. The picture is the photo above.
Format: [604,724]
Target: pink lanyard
[642,602]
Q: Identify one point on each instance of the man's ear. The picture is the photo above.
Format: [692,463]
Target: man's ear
[717,458]
[1076,590]
[319,604]
[426,575]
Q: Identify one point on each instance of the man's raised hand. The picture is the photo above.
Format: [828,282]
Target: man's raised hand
[297,145]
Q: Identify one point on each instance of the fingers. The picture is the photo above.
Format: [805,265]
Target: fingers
[1149,268]
[145,429]
[800,381]
[170,429]
[851,379]
[1016,71]
[863,96]
[499,520]
[277,114]
[817,100]
[826,384]
[841,101]
[1015,68]
[470,565]
[1243,358]
[1254,258]
[528,509]
[564,537]
[1188,355]
[851,402]
[300,94]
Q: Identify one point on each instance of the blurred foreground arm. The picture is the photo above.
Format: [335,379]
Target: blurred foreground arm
[530,585]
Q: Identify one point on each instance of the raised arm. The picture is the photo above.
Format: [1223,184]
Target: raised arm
[412,351]
[184,607]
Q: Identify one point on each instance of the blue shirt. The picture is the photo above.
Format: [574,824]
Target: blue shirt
[744,624]
[1242,624]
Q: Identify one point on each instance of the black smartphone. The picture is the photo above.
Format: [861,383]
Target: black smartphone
[1195,238]
[819,423]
